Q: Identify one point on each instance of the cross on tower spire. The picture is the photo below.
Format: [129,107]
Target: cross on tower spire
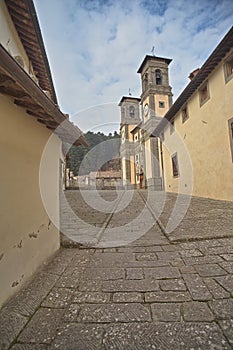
[153,50]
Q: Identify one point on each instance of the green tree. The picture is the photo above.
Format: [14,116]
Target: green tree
[95,159]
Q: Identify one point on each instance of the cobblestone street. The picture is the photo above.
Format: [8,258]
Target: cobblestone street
[159,291]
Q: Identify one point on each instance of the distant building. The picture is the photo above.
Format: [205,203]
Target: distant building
[201,118]
[29,114]
[108,179]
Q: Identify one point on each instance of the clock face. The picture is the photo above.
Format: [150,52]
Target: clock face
[146,110]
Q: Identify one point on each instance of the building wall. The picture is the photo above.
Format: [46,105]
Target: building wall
[132,170]
[160,112]
[27,235]
[206,135]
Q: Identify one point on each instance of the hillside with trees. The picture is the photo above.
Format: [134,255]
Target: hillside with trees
[103,153]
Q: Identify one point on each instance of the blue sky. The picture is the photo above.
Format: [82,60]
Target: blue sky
[95,48]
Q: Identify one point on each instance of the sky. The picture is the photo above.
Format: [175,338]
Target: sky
[95,48]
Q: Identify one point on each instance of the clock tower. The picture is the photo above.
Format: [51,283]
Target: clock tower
[156,100]
[130,117]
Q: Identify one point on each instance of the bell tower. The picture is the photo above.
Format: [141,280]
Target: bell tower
[156,100]
[130,117]
[156,95]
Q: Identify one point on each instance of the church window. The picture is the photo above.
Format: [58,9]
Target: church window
[131,111]
[204,94]
[161,104]
[158,77]
[175,168]
[185,114]
[145,81]
[229,69]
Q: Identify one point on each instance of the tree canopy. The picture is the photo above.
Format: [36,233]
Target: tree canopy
[103,153]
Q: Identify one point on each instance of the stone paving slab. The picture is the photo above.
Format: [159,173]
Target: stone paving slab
[217,291]
[91,297]
[108,313]
[197,311]
[168,296]
[130,285]
[78,336]
[42,327]
[29,347]
[166,312]
[204,219]
[197,287]
[227,326]
[162,272]
[11,324]
[165,336]
[150,294]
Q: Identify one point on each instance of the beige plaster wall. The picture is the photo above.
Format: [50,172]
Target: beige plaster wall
[130,128]
[27,235]
[132,169]
[206,136]
[161,111]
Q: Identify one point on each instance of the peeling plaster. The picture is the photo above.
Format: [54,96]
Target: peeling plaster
[33,235]
[14,284]
[20,244]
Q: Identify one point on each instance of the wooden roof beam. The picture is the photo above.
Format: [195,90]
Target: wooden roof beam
[12,92]
[40,114]
[26,104]
[6,80]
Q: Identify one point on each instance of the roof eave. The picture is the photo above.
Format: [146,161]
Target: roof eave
[15,9]
[147,57]
[128,98]
[16,83]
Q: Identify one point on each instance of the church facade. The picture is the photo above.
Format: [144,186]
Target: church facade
[185,147]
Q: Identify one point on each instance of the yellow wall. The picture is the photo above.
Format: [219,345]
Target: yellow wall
[131,127]
[206,136]
[132,168]
[161,111]
[27,237]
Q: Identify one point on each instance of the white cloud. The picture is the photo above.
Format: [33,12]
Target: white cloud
[96,47]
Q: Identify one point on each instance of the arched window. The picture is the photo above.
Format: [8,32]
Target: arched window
[158,77]
[145,82]
[131,111]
